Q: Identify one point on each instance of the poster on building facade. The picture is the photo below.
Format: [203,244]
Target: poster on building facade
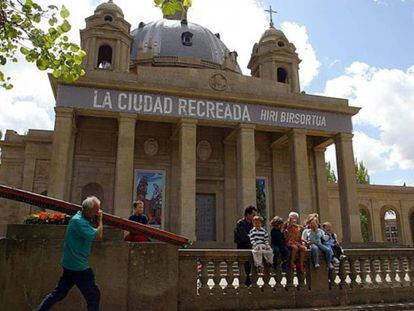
[261,197]
[149,188]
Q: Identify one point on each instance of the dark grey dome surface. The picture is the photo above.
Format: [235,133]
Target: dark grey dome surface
[165,37]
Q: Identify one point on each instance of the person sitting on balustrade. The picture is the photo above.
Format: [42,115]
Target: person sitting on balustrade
[332,242]
[293,236]
[259,238]
[278,242]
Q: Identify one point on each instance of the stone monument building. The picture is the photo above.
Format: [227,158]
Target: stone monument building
[165,115]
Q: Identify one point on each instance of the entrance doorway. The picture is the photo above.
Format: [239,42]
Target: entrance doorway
[206,217]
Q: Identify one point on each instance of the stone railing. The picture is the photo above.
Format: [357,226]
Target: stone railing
[216,280]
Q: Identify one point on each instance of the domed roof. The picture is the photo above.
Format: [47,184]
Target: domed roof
[272,34]
[173,38]
[109,7]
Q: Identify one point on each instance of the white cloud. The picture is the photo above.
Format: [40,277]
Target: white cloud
[386,97]
[30,104]
[309,67]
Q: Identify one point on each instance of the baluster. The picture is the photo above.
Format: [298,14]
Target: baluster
[266,279]
[410,263]
[242,289]
[400,270]
[332,277]
[203,279]
[363,271]
[383,272]
[229,290]
[217,290]
[353,272]
[343,274]
[373,272]
[255,277]
[301,276]
[278,275]
[393,273]
[289,279]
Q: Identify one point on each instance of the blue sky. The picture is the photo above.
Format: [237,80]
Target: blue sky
[362,50]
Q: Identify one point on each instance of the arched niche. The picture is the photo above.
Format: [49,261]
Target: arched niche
[391,225]
[105,57]
[282,75]
[366,223]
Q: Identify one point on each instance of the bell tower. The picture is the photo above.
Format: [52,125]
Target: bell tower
[275,58]
[106,39]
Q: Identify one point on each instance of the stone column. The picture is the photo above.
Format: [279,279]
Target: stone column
[406,222]
[321,183]
[62,154]
[351,228]
[124,174]
[377,230]
[246,170]
[231,212]
[187,130]
[301,191]
[28,179]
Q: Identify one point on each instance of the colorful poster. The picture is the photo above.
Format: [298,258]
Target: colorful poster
[261,196]
[149,188]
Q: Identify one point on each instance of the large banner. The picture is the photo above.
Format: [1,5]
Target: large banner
[152,104]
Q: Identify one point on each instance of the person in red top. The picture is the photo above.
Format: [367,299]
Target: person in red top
[293,237]
[141,218]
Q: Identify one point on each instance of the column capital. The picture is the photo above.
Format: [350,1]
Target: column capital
[124,117]
[246,126]
[64,112]
[184,122]
[297,132]
[343,137]
[319,149]
[280,142]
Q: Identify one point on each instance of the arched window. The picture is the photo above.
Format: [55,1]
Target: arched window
[391,226]
[365,219]
[92,189]
[282,75]
[105,57]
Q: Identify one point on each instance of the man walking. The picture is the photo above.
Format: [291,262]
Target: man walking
[242,239]
[76,249]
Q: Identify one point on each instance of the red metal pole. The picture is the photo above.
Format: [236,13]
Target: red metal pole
[108,219]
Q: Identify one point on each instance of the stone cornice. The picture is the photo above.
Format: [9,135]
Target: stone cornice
[194,82]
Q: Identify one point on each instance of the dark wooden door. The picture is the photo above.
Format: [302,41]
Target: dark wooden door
[206,217]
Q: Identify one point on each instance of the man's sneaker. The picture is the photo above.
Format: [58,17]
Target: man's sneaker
[317,266]
[330,265]
[335,260]
[342,257]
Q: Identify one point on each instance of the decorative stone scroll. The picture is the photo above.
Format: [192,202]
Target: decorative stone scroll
[204,150]
[151,147]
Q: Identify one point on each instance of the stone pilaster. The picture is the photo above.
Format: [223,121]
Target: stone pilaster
[246,170]
[187,131]
[62,154]
[301,191]
[321,183]
[124,174]
[351,227]
[28,179]
[231,212]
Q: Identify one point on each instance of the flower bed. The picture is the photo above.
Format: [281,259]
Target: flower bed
[44,218]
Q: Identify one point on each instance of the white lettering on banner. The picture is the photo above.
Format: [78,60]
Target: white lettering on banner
[199,108]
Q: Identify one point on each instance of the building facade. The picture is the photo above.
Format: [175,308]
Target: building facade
[165,115]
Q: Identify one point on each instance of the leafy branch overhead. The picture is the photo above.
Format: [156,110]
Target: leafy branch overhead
[23,30]
[169,7]
[40,35]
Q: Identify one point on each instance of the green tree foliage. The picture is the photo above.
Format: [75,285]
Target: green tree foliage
[330,174]
[365,230]
[23,30]
[361,173]
[169,7]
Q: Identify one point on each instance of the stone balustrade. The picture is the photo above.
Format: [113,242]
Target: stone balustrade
[216,280]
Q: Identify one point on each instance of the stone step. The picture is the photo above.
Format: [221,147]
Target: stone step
[372,307]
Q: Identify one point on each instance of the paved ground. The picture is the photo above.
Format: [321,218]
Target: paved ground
[375,307]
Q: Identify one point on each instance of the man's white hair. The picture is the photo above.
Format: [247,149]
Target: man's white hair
[90,202]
